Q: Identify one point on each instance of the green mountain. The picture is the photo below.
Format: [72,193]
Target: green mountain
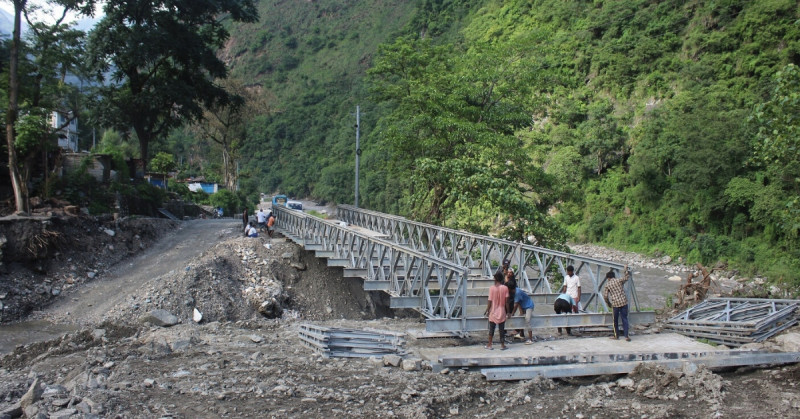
[310,58]
[659,126]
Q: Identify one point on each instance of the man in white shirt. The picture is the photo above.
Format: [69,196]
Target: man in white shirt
[572,286]
[261,217]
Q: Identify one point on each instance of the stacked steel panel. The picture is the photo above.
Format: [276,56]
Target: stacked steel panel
[736,321]
[351,343]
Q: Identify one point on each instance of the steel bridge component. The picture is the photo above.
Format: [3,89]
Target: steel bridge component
[479,324]
[440,286]
[736,321]
[603,368]
[339,342]
[535,265]
[453,361]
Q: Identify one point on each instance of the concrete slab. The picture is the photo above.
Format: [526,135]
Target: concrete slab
[663,342]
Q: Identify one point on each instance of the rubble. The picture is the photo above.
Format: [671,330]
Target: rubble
[238,363]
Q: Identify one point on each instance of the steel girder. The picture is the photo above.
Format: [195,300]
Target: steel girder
[478,324]
[605,368]
[535,265]
[439,285]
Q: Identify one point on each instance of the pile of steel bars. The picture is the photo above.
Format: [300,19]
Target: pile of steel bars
[736,321]
[351,343]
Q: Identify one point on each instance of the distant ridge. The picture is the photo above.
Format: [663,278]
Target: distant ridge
[6,23]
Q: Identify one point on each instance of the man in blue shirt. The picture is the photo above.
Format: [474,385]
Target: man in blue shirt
[565,304]
[523,302]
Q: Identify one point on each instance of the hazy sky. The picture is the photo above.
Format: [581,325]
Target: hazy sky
[8,7]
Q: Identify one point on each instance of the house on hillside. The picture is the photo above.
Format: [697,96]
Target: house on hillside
[66,126]
[199,183]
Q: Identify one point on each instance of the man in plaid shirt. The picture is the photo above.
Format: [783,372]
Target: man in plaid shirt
[614,294]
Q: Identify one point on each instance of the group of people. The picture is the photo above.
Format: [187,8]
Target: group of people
[505,299]
[265,223]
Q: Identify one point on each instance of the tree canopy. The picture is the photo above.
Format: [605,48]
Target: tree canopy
[161,60]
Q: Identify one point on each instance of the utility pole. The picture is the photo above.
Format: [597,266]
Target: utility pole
[358,151]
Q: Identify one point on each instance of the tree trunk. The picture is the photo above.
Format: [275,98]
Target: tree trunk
[226,168]
[20,189]
[144,141]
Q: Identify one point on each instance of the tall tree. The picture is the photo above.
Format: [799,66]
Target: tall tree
[18,181]
[224,124]
[161,55]
[12,112]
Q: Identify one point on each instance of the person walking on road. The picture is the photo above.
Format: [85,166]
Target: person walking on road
[496,310]
[614,294]
[245,218]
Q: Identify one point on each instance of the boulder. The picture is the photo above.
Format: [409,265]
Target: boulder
[32,396]
[159,317]
[789,342]
[412,364]
[625,383]
[392,360]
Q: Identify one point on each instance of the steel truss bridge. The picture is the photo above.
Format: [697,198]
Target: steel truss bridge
[445,274]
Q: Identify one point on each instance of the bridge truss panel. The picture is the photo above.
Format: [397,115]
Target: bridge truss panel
[535,266]
[439,286]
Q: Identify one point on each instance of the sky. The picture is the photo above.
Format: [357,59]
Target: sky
[8,7]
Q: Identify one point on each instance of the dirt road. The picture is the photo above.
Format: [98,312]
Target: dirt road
[89,303]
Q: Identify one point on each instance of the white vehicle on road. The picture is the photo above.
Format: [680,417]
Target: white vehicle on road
[295,205]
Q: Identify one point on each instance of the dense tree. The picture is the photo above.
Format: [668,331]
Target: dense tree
[771,194]
[53,44]
[451,129]
[162,60]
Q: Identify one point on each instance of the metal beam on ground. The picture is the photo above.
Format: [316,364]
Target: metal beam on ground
[604,368]
[474,324]
[575,358]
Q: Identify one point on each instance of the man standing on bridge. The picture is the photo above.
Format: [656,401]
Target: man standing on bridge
[572,286]
[496,310]
[614,294]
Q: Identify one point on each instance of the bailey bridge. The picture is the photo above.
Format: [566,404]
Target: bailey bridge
[445,274]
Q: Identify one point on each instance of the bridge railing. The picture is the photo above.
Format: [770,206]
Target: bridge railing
[535,266]
[438,286]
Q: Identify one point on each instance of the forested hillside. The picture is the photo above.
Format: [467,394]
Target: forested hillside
[310,59]
[661,126]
